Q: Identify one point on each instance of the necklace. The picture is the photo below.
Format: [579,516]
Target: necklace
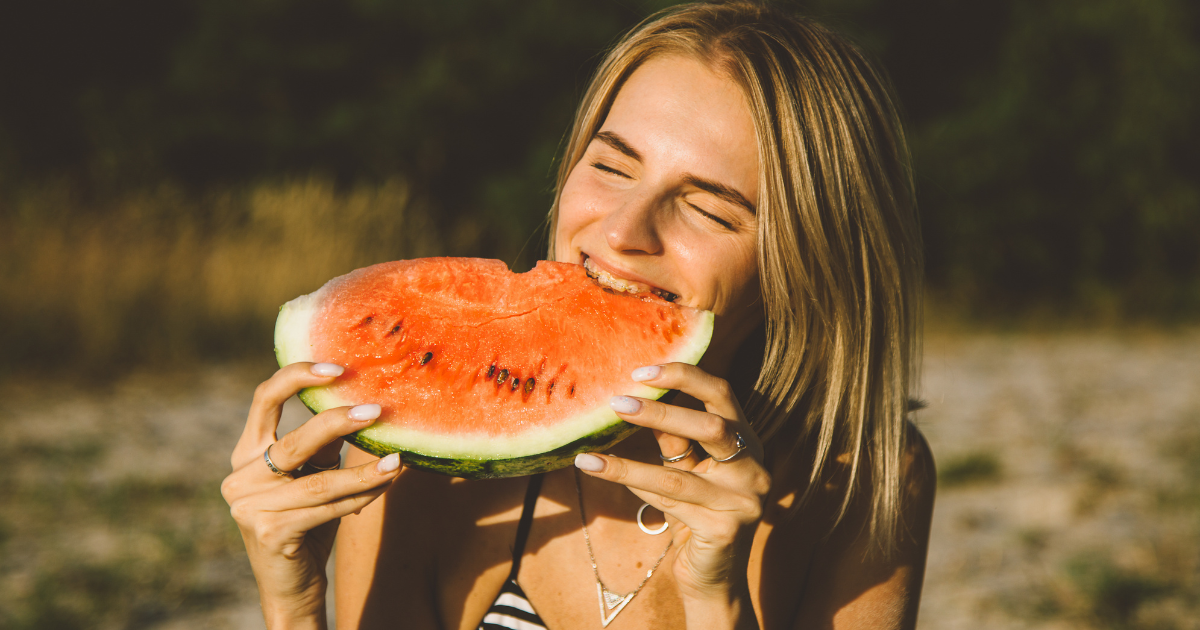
[611,603]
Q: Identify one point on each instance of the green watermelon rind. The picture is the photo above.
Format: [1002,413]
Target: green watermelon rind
[471,468]
[483,457]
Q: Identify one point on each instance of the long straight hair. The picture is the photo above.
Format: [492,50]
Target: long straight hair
[838,246]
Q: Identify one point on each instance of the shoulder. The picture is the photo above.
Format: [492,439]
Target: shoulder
[849,582]
[919,480]
[793,473]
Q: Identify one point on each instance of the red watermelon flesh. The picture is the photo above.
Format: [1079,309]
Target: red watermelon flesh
[482,372]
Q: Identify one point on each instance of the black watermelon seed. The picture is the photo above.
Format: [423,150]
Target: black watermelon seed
[516,382]
[425,359]
[395,329]
[501,377]
[491,371]
[529,383]
[366,320]
[571,392]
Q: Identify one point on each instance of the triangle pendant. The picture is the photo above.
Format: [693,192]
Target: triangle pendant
[610,601]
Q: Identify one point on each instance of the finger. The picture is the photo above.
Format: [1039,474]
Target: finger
[671,485]
[717,435]
[307,519]
[267,406]
[716,527]
[716,393]
[329,456]
[672,444]
[677,452]
[332,486]
[272,530]
[673,511]
[719,517]
[303,444]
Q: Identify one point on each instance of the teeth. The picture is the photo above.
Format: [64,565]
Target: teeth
[611,281]
[606,279]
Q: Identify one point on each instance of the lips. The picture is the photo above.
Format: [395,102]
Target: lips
[621,285]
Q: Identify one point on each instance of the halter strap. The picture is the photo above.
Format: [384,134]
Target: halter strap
[531,496]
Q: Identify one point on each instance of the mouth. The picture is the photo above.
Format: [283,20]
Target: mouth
[621,285]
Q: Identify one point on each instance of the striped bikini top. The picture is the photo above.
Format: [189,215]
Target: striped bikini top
[512,610]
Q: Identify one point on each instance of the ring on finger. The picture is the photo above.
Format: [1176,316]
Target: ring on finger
[741,446]
[272,466]
[672,460]
[310,468]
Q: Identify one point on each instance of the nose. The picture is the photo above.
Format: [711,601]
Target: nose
[634,227]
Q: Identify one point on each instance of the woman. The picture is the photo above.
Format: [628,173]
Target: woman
[750,164]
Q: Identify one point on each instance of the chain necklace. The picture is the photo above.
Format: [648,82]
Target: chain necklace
[610,603]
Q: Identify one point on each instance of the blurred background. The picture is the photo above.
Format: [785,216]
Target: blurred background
[172,172]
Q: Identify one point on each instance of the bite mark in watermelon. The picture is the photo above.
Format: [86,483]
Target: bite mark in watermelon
[482,372]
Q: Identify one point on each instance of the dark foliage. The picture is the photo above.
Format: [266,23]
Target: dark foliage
[1054,142]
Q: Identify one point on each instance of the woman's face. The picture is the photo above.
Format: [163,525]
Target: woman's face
[664,198]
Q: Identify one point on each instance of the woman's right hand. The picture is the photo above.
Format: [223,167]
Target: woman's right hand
[288,523]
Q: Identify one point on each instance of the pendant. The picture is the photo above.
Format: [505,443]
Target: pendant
[610,601]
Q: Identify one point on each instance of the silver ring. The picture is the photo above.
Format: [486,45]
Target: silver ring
[271,464]
[652,532]
[672,460]
[741,446]
[310,468]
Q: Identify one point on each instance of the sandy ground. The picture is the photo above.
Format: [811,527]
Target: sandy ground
[1091,518]
[1069,495]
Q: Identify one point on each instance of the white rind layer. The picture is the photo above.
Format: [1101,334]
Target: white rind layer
[292,344]
[490,447]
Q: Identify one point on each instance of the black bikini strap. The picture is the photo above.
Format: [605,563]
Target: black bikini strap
[531,496]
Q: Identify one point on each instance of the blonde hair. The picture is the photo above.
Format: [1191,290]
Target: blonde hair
[839,251]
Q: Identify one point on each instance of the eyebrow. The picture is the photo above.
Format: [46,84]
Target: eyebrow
[722,191]
[618,143]
[707,185]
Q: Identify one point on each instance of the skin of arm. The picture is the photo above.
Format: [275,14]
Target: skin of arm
[848,584]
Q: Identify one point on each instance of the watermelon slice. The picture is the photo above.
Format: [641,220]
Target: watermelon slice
[483,372]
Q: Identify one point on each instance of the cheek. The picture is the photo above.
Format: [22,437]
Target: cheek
[742,266]
[578,207]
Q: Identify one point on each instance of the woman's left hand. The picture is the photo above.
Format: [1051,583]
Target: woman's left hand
[713,507]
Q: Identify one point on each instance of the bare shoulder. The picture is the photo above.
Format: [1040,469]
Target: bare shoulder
[920,470]
[833,574]
[919,486]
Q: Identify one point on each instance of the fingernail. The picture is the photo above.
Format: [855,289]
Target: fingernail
[647,373]
[388,464]
[589,462]
[327,369]
[625,404]
[365,412]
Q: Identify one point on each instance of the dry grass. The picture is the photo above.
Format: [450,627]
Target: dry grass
[160,276]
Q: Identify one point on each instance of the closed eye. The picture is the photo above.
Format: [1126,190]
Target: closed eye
[608,169]
[715,219]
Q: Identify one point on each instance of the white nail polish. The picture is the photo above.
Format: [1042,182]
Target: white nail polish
[389,463]
[647,373]
[365,412]
[327,369]
[625,404]
[589,462]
